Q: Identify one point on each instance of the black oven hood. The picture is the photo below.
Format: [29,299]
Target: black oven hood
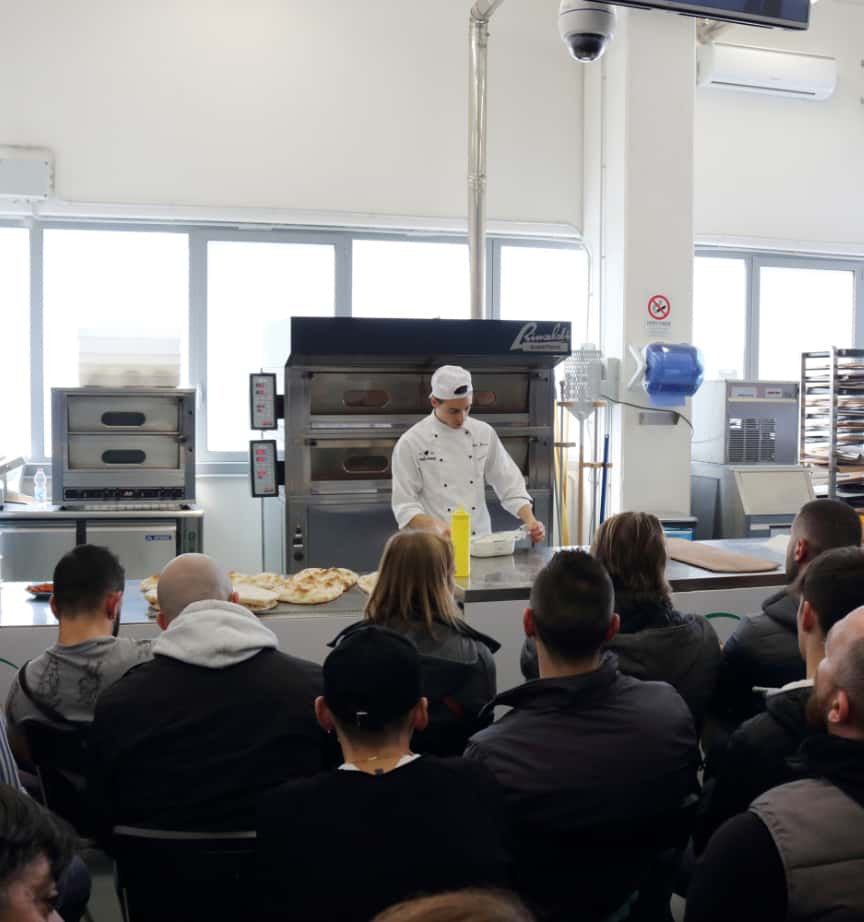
[426,344]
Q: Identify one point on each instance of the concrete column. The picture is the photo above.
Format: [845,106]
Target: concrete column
[639,102]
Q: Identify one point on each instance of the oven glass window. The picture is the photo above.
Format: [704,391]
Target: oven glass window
[111,286]
[15,367]
[409,279]
[253,290]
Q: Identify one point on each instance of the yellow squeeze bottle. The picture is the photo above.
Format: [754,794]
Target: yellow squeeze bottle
[460,535]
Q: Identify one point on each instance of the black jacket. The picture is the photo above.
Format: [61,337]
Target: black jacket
[755,761]
[657,644]
[458,675]
[344,845]
[593,767]
[763,651]
[180,746]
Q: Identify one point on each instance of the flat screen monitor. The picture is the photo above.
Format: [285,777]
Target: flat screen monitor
[786,14]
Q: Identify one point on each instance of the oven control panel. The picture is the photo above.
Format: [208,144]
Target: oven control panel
[265,405]
[265,470]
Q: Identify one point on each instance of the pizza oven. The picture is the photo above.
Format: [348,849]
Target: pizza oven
[353,386]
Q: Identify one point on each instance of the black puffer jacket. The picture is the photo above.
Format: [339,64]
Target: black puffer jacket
[458,675]
[658,644]
[762,652]
[754,761]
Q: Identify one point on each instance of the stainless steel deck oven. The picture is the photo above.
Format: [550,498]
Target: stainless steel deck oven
[128,446]
[353,386]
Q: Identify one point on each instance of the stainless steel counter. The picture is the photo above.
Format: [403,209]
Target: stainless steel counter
[20,512]
[497,579]
[493,579]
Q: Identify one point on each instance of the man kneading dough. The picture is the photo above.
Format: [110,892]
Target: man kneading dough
[446,460]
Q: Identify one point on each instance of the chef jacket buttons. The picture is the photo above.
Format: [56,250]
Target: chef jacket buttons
[470,481]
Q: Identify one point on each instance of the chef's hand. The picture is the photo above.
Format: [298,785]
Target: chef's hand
[536,530]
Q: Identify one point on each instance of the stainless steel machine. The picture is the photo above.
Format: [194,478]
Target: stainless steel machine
[122,475]
[353,386]
[745,480]
[129,446]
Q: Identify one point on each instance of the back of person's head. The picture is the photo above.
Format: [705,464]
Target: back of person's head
[372,684]
[825,524]
[460,906]
[632,548]
[84,577]
[29,833]
[415,581]
[191,578]
[837,702]
[833,585]
[572,603]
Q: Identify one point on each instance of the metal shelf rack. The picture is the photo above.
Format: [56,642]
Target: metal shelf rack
[832,421]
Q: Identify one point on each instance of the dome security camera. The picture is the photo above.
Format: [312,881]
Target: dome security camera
[586,27]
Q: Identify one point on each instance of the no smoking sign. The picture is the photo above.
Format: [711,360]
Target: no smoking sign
[659,307]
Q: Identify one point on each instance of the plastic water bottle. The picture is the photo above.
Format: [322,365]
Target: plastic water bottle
[40,487]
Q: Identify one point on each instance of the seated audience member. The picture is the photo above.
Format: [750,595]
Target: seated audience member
[414,596]
[655,642]
[63,683]
[189,740]
[755,759]
[388,824]
[35,850]
[595,765]
[461,906]
[73,882]
[797,852]
[763,650]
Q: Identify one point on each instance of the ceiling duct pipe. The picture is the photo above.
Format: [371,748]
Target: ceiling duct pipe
[481,13]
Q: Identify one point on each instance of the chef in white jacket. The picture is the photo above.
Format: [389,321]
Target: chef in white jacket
[446,460]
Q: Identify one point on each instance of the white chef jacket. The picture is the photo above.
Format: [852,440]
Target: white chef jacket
[437,468]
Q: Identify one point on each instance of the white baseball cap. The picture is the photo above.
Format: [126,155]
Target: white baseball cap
[450,382]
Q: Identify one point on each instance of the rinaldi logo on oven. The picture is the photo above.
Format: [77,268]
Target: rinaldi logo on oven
[529,340]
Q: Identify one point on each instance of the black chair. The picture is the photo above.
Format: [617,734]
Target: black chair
[167,875]
[60,757]
[615,871]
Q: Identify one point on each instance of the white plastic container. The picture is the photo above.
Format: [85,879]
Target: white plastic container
[499,544]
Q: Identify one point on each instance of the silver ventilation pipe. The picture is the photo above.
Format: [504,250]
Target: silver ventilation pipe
[481,13]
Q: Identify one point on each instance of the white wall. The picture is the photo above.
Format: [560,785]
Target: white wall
[341,106]
[787,169]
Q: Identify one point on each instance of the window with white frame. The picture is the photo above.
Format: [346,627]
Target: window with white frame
[123,284]
[755,313]
[253,291]
[413,279]
[720,315]
[802,310]
[15,366]
[545,283]
[229,295]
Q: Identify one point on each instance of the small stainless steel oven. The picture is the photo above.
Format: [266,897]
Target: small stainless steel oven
[123,446]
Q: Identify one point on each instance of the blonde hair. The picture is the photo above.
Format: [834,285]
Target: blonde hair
[415,582]
[632,547]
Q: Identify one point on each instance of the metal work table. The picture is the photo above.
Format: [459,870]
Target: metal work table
[19,511]
[495,597]
[497,579]
[493,579]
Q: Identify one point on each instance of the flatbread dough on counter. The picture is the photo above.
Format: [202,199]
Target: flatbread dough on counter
[316,585]
[367,583]
[262,592]
[255,598]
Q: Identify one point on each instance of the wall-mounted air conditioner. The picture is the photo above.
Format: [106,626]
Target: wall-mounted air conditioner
[763,70]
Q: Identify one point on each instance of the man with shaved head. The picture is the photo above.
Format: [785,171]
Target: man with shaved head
[189,740]
[798,852]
